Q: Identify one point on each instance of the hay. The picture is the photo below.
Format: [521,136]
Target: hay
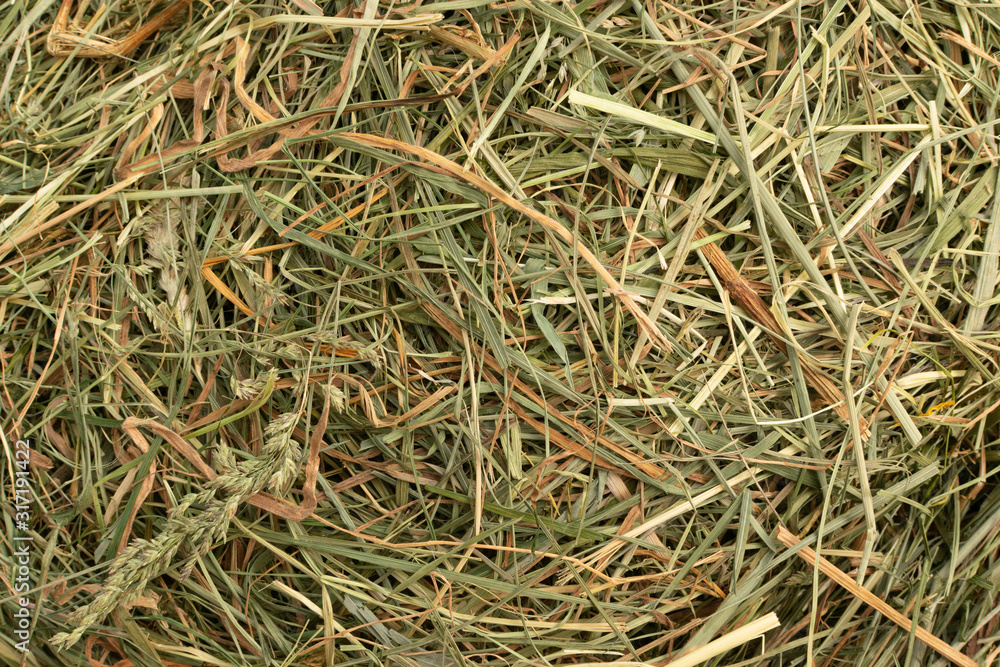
[502,333]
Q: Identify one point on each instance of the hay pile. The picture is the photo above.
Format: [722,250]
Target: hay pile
[502,332]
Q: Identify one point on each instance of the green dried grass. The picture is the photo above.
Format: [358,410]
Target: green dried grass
[523,472]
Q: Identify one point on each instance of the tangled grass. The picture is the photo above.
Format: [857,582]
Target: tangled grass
[502,332]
